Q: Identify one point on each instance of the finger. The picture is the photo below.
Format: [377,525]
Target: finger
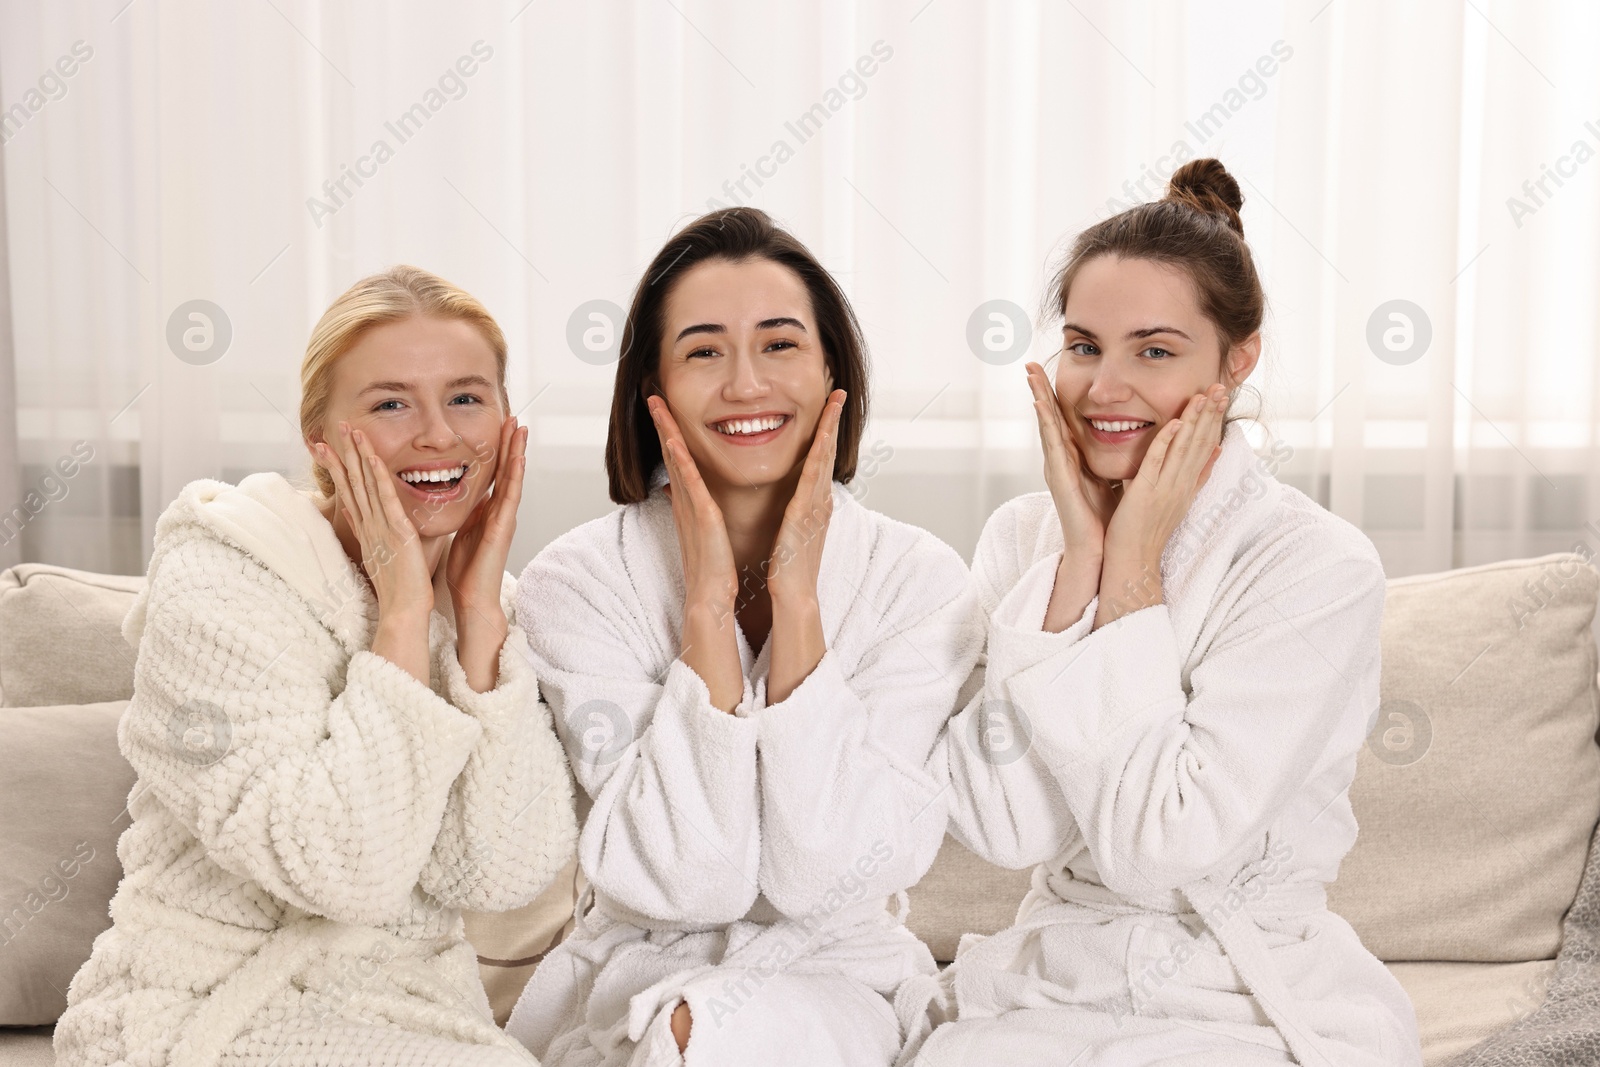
[508,427]
[824,449]
[1055,450]
[694,487]
[1207,435]
[372,473]
[1156,455]
[666,425]
[355,475]
[1175,463]
[336,474]
[389,507]
[508,486]
[677,480]
[1053,431]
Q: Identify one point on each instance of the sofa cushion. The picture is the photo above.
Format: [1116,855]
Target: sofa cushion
[961,894]
[61,636]
[1461,1004]
[1478,790]
[64,790]
[510,944]
[30,1047]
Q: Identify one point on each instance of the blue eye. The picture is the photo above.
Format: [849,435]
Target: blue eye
[383,405]
[1164,353]
[468,397]
[1073,348]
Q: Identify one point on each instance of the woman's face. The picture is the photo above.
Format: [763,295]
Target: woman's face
[425,391]
[743,371]
[1135,348]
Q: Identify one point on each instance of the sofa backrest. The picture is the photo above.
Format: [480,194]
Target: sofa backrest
[1476,795]
[1479,788]
[61,636]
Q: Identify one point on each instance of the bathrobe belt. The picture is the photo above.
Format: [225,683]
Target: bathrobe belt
[1225,904]
[774,937]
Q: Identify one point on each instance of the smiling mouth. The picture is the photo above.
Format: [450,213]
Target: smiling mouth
[442,480]
[1118,425]
[750,427]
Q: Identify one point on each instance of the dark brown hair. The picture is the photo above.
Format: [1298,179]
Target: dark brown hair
[633,449]
[1196,226]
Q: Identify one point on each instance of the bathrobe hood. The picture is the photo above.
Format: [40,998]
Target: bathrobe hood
[279,525]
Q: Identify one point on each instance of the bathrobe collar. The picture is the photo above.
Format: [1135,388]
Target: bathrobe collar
[846,552]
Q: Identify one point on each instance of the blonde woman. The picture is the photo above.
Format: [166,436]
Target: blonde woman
[335,726]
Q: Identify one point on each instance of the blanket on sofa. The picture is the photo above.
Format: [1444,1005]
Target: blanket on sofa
[1565,1030]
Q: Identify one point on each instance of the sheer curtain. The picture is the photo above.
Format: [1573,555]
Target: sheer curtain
[1430,358]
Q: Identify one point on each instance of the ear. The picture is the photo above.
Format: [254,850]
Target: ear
[1241,360]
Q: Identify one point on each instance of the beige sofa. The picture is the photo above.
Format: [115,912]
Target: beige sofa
[1477,796]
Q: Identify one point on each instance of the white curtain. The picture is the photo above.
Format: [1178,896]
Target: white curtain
[936,154]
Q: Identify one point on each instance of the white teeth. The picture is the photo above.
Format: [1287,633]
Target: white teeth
[746,426]
[1116,427]
[448,474]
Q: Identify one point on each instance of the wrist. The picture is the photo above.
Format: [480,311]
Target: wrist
[487,622]
[710,613]
[403,621]
[797,604]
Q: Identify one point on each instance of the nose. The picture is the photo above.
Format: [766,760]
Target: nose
[1110,384]
[746,380]
[435,432]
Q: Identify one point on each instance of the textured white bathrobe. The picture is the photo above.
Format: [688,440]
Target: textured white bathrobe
[308,818]
[744,863]
[1180,777]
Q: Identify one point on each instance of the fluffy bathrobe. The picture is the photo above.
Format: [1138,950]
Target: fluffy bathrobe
[308,818]
[744,863]
[1180,778]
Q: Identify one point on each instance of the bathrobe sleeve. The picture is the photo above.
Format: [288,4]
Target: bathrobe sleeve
[847,801]
[674,832]
[1004,801]
[509,826]
[1171,781]
[327,792]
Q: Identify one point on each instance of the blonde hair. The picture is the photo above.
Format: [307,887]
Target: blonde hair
[395,294]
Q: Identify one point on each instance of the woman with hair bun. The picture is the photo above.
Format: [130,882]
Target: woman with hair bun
[1190,650]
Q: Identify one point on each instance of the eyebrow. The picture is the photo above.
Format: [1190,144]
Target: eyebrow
[406,387]
[717,327]
[1133,335]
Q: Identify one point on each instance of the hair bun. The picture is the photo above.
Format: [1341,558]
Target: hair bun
[1206,186]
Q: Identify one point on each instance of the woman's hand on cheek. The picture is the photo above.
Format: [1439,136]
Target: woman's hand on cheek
[711,585]
[1082,503]
[798,643]
[391,550]
[708,567]
[1155,501]
[477,562]
[797,550]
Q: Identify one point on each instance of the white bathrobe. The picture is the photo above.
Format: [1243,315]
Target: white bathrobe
[744,863]
[308,818]
[1180,778]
